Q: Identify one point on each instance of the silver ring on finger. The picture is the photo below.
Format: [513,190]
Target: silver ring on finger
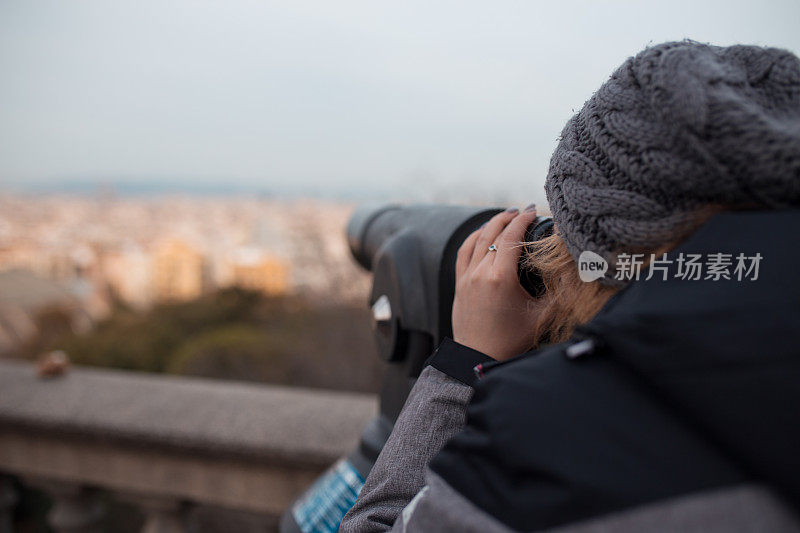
[493,248]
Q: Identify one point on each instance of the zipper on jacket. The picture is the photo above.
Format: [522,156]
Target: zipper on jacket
[586,340]
[573,351]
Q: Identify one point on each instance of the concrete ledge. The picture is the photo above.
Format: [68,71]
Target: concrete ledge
[168,442]
[128,472]
[221,420]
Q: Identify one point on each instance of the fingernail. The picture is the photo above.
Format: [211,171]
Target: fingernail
[530,208]
[512,210]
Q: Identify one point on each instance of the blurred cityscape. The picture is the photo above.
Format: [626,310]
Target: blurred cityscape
[88,253]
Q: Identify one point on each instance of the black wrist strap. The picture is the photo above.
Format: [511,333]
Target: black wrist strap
[457,361]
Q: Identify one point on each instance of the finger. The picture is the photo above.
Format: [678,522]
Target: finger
[510,246]
[491,231]
[465,252]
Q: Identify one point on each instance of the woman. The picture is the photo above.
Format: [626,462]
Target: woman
[663,395]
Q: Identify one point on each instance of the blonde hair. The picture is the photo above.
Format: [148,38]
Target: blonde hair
[567,301]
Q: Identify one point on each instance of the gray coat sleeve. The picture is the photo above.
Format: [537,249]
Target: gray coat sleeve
[434,412]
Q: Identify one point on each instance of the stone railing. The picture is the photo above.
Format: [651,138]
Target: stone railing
[171,446]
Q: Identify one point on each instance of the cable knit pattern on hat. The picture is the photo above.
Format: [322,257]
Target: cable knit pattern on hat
[679,126]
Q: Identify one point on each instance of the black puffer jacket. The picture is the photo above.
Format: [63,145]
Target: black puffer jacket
[691,385]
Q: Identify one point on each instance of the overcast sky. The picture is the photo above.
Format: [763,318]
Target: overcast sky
[326,96]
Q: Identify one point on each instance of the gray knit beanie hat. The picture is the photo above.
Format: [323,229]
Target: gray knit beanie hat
[677,127]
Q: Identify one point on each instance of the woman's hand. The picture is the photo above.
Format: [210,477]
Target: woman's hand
[492,313]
